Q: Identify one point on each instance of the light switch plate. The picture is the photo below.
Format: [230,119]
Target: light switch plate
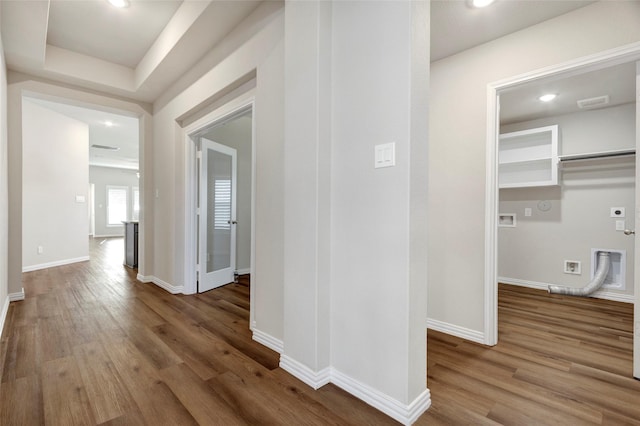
[385,155]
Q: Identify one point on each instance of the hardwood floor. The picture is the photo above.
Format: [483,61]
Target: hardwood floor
[560,360]
[92,345]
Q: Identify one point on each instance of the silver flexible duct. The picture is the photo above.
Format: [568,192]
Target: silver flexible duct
[604,262]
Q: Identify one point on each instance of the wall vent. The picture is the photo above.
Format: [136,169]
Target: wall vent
[591,103]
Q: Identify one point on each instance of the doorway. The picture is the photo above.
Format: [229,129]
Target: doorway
[220,193]
[64,198]
[614,163]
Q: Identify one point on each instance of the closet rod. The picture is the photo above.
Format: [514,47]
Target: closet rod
[597,155]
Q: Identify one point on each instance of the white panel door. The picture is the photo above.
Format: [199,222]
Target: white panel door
[217,217]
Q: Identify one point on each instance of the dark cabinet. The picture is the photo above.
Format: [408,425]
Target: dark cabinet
[131,244]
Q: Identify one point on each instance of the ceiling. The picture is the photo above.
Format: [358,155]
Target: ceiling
[139,52]
[521,103]
[455,26]
[136,52]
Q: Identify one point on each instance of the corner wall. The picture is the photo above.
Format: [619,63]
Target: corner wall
[457,163]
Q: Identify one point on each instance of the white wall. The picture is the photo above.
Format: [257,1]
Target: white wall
[579,219]
[4,222]
[101,177]
[458,139]
[237,134]
[55,171]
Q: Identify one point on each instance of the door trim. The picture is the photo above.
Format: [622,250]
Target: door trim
[241,104]
[605,59]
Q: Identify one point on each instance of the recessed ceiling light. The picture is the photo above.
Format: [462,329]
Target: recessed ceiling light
[481,3]
[548,97]
[119,3]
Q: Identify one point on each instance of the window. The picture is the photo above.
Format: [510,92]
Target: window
[135,212]
[117,197]
[222,204]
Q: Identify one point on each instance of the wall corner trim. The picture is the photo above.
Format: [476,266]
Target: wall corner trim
[267,340]
[315,379]
[3,314]
[406,414]
[455,330]
[16,297]
[173,289]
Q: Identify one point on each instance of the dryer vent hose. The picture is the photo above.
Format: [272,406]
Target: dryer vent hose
[604,263]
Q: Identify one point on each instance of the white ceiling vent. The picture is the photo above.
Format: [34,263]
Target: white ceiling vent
[591,103]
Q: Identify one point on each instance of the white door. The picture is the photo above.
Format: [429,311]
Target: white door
[636,292]
[217,216]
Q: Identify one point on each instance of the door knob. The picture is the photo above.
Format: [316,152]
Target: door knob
[232,222]
[629,232]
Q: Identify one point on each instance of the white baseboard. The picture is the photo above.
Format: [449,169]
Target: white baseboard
[16,297]
[11,297]
[455,330]
[173,289]
[600,294]
[54,264]
[312,378]
[3,314]
[243,271]
[109,236]
[268,340]
[406,414]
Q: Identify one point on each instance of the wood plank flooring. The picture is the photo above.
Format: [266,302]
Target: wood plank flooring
[560,360]
[92,345]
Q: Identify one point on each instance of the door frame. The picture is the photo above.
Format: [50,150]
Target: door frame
[605,59]
[237,106]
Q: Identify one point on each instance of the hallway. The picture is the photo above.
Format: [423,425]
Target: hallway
[92,345]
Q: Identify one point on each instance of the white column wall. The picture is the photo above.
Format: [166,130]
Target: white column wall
[4,197]
[364,227]
[380,83]
[307,177]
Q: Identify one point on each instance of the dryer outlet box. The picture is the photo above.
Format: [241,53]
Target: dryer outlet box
[616,278]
